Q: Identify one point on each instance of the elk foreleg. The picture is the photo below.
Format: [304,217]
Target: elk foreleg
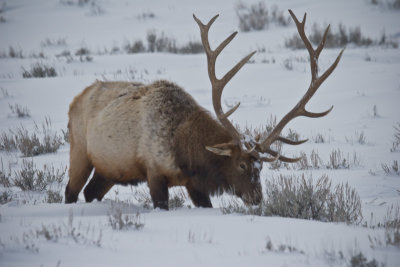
[158,186]
[97,187]
[199,199]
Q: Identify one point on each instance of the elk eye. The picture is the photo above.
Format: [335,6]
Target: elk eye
[243,166]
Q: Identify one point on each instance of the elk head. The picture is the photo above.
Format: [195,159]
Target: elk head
[246,154]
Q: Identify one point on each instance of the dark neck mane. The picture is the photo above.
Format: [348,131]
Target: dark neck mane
[201,166]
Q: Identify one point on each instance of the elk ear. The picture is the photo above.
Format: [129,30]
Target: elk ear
[221,149]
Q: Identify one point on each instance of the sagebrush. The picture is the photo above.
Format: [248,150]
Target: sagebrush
[41,140]
[300,197]
[120,221]
[396,142]
[39,70]
[258,17]
[5,175]
[28,177]
[160,42]
[359,260]
[390,4]
[339,37]
[5,197]
[80,233]
[391,169]
[392,226]
[19,111]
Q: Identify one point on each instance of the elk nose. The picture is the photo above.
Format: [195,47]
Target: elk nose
[254,199]
[257,199]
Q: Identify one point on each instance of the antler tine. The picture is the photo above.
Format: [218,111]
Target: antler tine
[282,158]
[290,142]
[219,84]
[316,81]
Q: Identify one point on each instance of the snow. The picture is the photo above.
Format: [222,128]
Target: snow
[195,236]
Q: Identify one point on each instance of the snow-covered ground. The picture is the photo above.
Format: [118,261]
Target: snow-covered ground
[364,89]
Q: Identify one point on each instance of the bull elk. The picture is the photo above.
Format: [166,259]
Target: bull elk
[131,133]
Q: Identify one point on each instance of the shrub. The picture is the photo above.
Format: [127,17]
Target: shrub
[84,54]
[257,16]
[392,169]
[39,70]
[344,205]
[360,260]
[288,64]
[395,4]
[392,226]
[281,248]
[359,137]
[66,55]
[30,178]
[79,3]
[177,200]
[54,196]
[65,135]
[294,42]
[298,197]
[194,237]
[7,142]
[191,48]
[303,163]
[4,93]
[118,221]
[15,53]
[396,142]
[5,175]
[142,196]
[29,143]
[136,47]
[254,17]
[48,42]
[5,197]
[390,4]
[80,233]
[82,51]
[21,112]
[339,38]
[319,139]
[160,43]
[337,160]
[279,18]
[3,7]
[314,162]
[146,15]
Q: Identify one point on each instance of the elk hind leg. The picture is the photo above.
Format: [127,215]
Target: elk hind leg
[97,187]
[79,171]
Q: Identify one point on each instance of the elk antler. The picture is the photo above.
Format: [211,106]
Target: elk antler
[219,84]
[299,109]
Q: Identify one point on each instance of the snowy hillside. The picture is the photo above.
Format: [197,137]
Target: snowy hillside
[73,43]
